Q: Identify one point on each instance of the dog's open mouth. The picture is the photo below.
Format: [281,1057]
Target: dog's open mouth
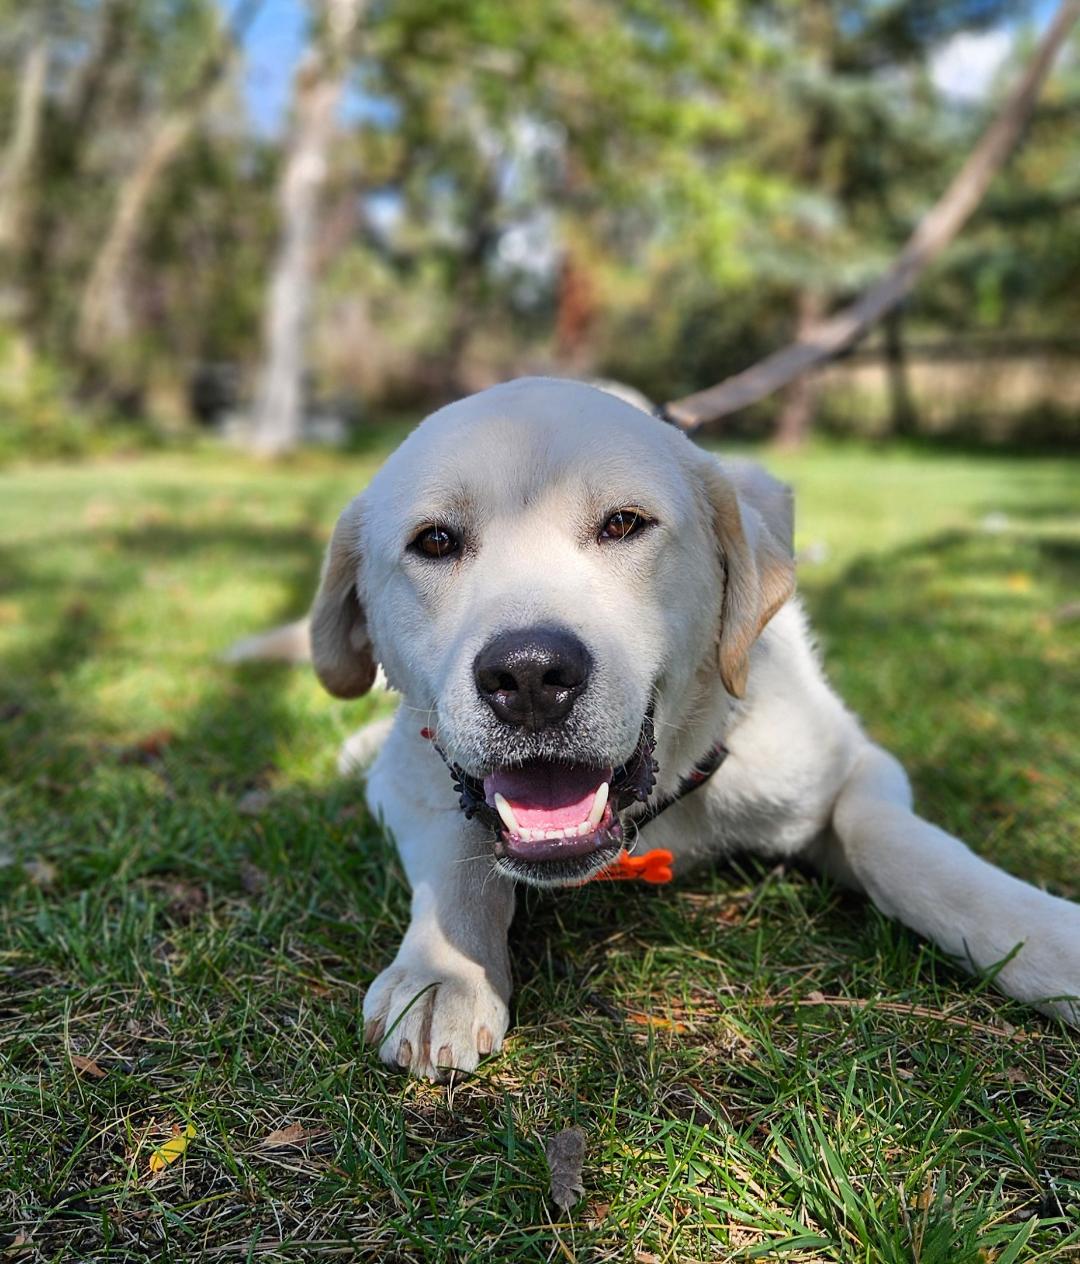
[559,823]
[551,811]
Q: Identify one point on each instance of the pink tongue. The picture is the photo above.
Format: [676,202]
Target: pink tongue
[547,796]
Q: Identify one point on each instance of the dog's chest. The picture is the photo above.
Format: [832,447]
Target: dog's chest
[741,808]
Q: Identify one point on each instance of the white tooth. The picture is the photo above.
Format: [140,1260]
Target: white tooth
[599,804]
[554,834]
[507,813]
[529,835]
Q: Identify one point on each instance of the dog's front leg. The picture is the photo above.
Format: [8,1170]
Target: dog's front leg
[933,883]
[442,1003]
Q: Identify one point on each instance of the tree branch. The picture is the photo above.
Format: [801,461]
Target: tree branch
[933,233]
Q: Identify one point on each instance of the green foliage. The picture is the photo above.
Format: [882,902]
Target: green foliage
[39,419]
[694,167]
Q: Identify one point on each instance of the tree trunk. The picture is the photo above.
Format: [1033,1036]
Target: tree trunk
[278,414]
[18,161]
[104,313]
[575,314]
[43,264]
[932,234]
[800,398]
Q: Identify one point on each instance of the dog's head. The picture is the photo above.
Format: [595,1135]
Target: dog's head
[549,571]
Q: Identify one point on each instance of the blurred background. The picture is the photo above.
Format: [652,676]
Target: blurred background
[284,222]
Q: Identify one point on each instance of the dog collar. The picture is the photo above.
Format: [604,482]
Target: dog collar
[653,866]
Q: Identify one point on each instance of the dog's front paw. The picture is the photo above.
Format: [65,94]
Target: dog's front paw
[431,1020]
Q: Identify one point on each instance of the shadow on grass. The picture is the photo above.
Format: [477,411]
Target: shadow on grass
[953,652]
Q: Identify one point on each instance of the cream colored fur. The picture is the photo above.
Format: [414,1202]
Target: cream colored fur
[700,619]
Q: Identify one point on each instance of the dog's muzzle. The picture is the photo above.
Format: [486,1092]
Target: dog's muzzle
[554,823]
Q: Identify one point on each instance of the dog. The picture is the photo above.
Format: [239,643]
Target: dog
[593,627]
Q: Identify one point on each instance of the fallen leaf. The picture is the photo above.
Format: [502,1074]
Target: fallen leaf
[173,1149]
[147,749]
[252,878]
[651,1020]
[597,1213]
[1016,1076]
[253,803]
[565,1154]
[183,900]
[815,998]
[42,873]
[86,1066]
[291,1134]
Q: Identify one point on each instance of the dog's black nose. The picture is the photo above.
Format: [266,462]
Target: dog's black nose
[531,677]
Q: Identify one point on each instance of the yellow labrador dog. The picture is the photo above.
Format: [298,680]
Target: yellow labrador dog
[593,627]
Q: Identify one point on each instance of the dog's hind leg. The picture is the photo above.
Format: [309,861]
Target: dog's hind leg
[289,643]
[934,884]
[358,751]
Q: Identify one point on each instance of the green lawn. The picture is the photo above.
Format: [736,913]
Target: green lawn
[764,1067]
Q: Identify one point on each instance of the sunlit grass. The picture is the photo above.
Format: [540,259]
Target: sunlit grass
[763,1066]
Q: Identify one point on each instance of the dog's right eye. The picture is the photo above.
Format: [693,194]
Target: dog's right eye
[436,541]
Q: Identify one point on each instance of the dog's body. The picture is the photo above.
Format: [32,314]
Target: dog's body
[564,590]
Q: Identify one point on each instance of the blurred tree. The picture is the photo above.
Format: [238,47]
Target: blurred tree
[20,155]
[104,317]
[319,84]
[649,189]
[934,231]
[521,144]
[864,147]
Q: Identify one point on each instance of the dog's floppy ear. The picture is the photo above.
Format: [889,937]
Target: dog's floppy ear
[754,522]
[340,648]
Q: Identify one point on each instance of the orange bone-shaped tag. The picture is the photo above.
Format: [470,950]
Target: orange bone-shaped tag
[653,866]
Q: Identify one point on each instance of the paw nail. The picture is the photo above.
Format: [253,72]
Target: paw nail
[404,1054]
[446,1057]
[484,1040]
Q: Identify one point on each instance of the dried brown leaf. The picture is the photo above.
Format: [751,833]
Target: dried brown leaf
[565,1154]
[653,1020]
[254,802]
[252,878]
[86,1066]
[42,873]
[148,749]
[291,1134]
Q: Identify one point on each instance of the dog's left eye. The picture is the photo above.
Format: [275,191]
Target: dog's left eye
[624,523]
[436,541]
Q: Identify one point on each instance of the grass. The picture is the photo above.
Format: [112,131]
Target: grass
[192,906]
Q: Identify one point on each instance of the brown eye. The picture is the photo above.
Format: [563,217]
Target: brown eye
[437,541]
[623,523]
